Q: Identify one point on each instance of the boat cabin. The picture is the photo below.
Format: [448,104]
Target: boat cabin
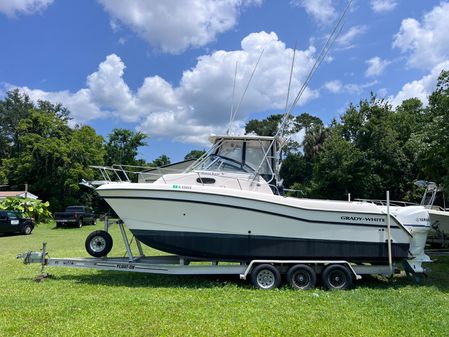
[242,154]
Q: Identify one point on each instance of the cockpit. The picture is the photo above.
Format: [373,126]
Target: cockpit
[241,154]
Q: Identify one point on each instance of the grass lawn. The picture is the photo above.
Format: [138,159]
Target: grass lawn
[81,302]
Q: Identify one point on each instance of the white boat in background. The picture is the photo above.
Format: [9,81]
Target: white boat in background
[439,216]
[229,206]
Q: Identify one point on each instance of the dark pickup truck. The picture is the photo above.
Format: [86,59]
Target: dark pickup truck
[14,222]
[75,216]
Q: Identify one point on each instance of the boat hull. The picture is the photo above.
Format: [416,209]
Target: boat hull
[231,247]
[225,225]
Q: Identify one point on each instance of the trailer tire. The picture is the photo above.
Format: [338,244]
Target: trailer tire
[336,277]
[301,277]
[266,277]
[99,243]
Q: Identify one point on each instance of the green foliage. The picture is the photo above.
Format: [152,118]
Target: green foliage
[372,149]
[266,127]
[314,139]
[307,121]
[341,169]
[160,161]
[432,141]
[194,154]
[45,152]
[295,169]
[31,208]
[122,147]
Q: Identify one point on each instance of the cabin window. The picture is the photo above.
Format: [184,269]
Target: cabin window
[255,153]
[232,150]
[205,180]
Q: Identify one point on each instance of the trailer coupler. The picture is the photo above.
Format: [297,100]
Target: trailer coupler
[36,257]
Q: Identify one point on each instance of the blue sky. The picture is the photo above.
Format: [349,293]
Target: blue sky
[166,68]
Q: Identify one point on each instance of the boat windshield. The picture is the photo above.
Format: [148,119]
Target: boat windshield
[223,164]
[249,155]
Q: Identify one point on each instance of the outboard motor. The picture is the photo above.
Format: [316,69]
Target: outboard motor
[416,220]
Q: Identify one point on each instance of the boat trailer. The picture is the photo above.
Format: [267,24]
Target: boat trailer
[265,274]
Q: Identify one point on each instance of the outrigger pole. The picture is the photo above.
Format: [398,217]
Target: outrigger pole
[323,53]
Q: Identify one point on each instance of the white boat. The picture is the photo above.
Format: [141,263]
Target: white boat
[229,206]
[439,216]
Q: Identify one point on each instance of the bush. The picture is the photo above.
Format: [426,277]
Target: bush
[31,208]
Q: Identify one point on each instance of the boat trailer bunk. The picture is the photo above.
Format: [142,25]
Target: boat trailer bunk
[264,274]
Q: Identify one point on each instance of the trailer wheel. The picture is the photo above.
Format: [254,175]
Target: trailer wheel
[301,277]
[266,276]
[336,277]
[99,243]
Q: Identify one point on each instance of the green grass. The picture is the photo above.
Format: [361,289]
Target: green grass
[82,302]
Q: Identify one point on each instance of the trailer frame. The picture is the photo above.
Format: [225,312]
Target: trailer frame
[180,265]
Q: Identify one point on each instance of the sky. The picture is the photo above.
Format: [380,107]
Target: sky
[167,67]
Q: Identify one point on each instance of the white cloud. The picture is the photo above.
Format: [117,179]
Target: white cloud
[176,25]
[346,40]
[381,6]
[322,11]
[426,42]
[201,103]
[421,88]
[376,66]
[337,87]
[13,7]
[334,86]
[81,105]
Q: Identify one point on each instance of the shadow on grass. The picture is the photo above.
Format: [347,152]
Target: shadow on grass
[5,235]
[139,280]
[438,277]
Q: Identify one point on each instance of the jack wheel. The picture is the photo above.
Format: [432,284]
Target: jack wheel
[99,243]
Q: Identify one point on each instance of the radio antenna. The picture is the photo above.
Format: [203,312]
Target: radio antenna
[234,113]
[233,96]
[323,53]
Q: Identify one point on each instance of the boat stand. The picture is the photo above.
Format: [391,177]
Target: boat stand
[125,240]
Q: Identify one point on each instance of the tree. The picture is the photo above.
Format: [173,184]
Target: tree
[266,127]
[340,169]
[194,154]
[307,121]
[295,169]
[122,147]
[162,160]
[432,141]
[367,152]
[314,139]
[47,154]
[13,108]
